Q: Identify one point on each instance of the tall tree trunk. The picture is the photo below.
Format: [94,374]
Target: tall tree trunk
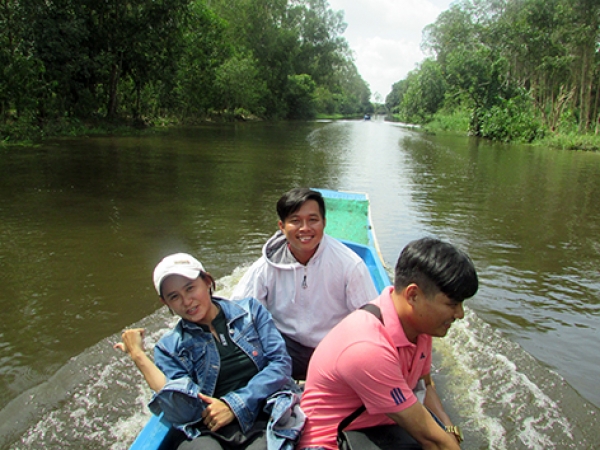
[115,72]
[589,18]
[584,92]
[595,113]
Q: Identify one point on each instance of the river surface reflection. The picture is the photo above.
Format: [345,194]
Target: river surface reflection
[83,222]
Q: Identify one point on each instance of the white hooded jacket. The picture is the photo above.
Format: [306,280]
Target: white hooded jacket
[306,301]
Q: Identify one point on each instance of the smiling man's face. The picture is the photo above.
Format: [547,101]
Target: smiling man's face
[304,230]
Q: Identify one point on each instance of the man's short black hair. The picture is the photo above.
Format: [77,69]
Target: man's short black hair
[434,266]
[292,201]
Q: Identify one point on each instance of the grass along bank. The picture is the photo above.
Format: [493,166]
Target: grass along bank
[458,122]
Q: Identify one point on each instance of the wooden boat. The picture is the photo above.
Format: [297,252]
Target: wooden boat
[349,220]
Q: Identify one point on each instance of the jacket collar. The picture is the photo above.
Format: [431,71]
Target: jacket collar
[276,251]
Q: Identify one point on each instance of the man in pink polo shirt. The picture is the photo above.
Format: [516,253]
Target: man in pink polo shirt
[379,363]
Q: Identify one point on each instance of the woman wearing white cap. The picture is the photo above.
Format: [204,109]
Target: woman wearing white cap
[223,371]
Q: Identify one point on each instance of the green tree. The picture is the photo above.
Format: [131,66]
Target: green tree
[355,95]
[425,92]
[289,39]
[325,101]
[395,97]
[65,60]
[204,50]
[58,35]
[264,29]
[21,74]
[88,49]
[239,86]
[300,97]
[544,52]
[322,49]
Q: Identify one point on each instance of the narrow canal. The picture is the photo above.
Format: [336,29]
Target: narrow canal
[83,222]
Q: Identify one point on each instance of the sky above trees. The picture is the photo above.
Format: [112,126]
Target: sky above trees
[385,36]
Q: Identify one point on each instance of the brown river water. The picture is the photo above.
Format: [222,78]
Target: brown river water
[83,221]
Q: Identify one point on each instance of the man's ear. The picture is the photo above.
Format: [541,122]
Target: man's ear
[412,293]
[280,225]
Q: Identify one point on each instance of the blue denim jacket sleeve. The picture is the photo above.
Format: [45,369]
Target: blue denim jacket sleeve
[178,399]
[275,367]
[179,402]
[287,420]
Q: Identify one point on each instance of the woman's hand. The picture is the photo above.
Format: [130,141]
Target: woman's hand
[133,345]
[217,414]
[133,341]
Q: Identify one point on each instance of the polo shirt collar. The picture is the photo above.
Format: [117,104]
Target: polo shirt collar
[391,320]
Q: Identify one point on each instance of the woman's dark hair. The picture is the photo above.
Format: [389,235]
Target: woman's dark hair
[434,266]
[208,279]
[292,201]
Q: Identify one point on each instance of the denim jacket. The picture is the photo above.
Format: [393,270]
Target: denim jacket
[189,358]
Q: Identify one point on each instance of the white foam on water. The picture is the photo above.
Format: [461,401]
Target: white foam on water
[125,429]
[490,381]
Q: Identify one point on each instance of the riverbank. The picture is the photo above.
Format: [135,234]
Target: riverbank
[458,123]
[16,133]
[19,134]
[455,123]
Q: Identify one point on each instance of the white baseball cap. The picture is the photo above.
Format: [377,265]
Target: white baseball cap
[177,264]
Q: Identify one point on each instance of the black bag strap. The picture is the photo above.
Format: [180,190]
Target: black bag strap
[373,309]
[348,420]
[376,311]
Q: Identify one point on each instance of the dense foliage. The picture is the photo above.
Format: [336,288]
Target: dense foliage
[519,68]
[71,61]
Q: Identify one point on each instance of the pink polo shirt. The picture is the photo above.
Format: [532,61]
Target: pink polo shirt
[362,361]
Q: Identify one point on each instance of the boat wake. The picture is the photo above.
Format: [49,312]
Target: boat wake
[504,397]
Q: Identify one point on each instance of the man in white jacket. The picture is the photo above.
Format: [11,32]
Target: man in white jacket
[308,280]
